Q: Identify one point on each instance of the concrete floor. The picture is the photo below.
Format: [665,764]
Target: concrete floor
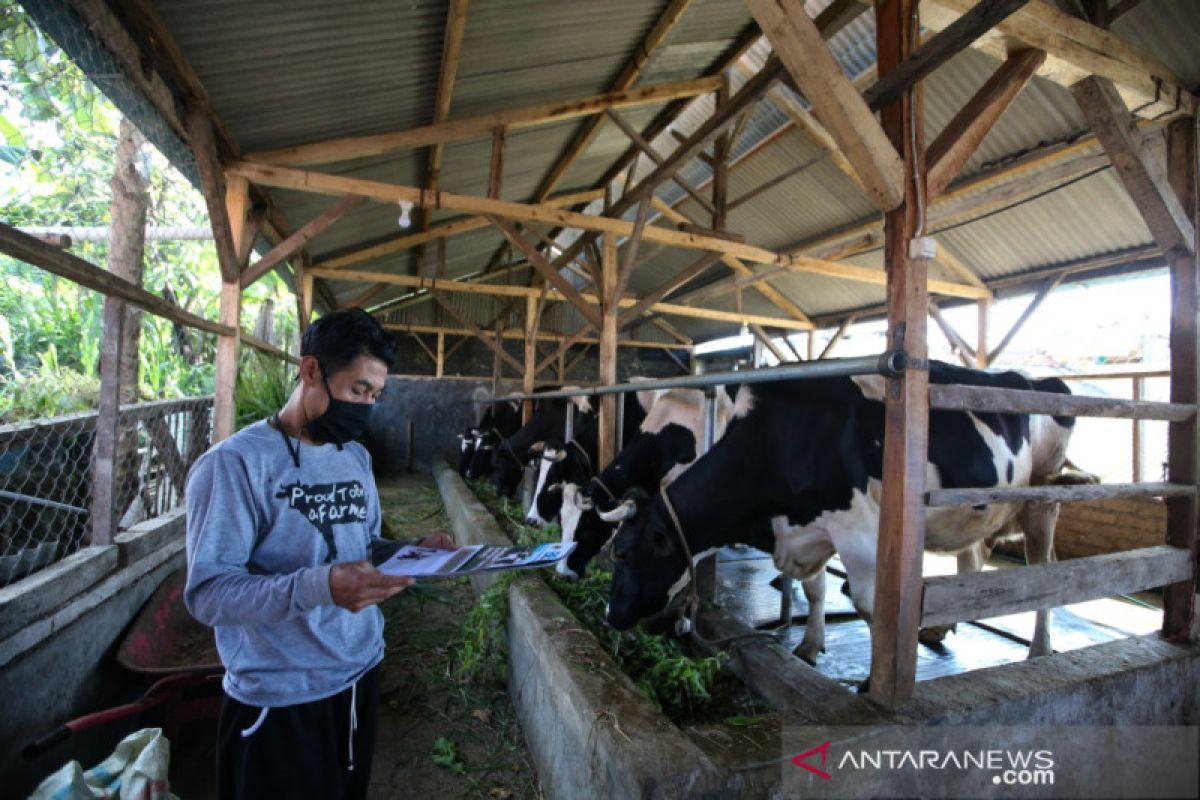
[743,588]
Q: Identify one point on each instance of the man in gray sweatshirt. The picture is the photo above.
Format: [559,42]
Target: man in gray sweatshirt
[283,523]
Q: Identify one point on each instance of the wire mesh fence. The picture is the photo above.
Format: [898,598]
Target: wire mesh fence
[46,469]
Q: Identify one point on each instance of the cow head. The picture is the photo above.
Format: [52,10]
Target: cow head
[483,453]
[649,567]
[552,467]
[507,468]
[466,451]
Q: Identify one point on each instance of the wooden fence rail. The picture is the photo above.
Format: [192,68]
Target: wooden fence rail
[1022,401]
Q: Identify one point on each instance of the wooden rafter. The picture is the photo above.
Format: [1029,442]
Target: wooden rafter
[633,315]
[336,185]
[764,337]
[800,45]
[939,49]
[546,270]
[496,345]
[453,228]
[958,141]
[212,184]
[480,126]
[1141,174]
[294,243]
[649,150]
[629,75]
[509,290]
[965,352]
[1077,49]
[948,259]
[1042,293]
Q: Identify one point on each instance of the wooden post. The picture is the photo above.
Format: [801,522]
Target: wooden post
[440,368]
[230,314]
[497,367]
[562,366]
[981,353]
[898,581]
[608,349]
[531,326]
[1179,599]
[1139,391]
[104,516]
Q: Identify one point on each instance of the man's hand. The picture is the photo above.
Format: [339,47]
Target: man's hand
[438,541]
[355,585]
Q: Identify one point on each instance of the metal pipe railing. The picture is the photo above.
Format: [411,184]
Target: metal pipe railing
[890,364]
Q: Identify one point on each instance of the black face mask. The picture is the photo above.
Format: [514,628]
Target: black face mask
[342,421]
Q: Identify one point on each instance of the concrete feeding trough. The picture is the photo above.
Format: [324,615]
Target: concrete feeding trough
[592,734]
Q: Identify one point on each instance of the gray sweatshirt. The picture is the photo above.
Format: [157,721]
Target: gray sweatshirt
[262,535]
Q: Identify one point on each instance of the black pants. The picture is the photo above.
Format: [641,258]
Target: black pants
[301,751]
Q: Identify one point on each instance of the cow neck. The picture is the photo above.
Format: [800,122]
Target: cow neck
[507,447]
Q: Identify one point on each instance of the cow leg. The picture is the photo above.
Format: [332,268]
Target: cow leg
[1038,521]
[814,627]
[969,560]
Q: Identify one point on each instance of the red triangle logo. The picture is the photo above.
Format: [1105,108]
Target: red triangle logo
[823,750]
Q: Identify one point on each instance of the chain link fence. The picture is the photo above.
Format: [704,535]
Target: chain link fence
[46,471]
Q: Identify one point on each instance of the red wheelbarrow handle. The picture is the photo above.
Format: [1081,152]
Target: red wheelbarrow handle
[160,692]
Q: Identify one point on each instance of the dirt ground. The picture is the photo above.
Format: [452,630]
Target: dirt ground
[437,738]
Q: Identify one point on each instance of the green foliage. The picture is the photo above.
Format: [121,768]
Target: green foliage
[263,386]
[445,754]
[481,655]
[678,683]
[58,137]
[48,391]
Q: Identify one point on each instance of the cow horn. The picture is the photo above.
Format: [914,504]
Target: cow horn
[559,455]
[621,512]
[554,487]
[583,502]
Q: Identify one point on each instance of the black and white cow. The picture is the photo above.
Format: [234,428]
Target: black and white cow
[568,465]
[499,420]
[668,440]
[809,455]
[509,456]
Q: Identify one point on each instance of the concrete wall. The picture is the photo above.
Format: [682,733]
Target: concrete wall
[439,411]
[59,630]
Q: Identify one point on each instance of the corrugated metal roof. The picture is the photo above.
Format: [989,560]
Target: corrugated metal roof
[283,73]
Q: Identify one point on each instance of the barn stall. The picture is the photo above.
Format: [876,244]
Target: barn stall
[636,178]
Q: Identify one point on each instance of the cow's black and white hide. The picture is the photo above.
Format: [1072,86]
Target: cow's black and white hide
[809,455]
[572,464]
[510,455]
[499,420]
[668,440]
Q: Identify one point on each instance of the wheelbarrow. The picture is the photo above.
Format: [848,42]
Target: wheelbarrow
[164,640]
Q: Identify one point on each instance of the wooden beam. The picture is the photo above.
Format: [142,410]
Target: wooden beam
[957,598]
[765,338]
[1077,49]
[834,99]
[948,259]
[1021,401]
[336,185]
[456,23]
[425,347]
[673,332]
[32,250]
[228,348]
[632,70]
[438,232]
[897,606]
[1180,604]
[649,150]
[496,170]
[1043,291]
[355,147]
[1142,176]
[609,270]
[212,186]
[939,49]
[494,342]
[965,352]
[543,336]
[546,270]
[631,250]
[837,337]
[293,244]
[951,498]
[633,315]
[959,140]
[983,317]
[440,363]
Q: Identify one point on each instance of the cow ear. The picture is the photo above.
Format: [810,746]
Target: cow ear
[537,447]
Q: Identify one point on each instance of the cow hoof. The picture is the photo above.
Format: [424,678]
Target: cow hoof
[808,652]
[934,635]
